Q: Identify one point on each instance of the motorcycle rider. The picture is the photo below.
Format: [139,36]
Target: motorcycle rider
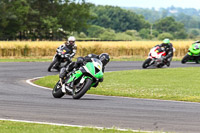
[70,44]
[104,58]
[168,48]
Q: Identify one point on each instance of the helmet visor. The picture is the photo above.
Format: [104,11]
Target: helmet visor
[71,42]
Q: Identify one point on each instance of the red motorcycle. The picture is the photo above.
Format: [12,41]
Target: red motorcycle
[155,58]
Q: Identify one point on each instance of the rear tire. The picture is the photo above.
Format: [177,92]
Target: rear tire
[185,59]
[85,88]
[160,65]
[52,64]
[57,91]
[146,63]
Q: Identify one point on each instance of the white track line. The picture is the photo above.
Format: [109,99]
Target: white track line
[29,81]
[68,125]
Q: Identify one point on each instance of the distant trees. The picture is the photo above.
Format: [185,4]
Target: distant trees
[117,19]
[169,27]
[42,19]
[187,16]
[168,24]
[56,19]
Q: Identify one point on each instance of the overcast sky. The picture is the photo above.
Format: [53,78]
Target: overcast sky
[149,3]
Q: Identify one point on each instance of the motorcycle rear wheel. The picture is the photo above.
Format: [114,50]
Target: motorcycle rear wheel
[160,65]
[146,63]
[86,87]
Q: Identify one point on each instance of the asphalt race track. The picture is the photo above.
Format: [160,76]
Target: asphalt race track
[21,101]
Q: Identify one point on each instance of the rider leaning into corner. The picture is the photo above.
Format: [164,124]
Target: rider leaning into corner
[168,48]
[70,44]
[104,58]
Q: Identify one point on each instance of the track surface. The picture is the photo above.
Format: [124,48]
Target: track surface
[19,100]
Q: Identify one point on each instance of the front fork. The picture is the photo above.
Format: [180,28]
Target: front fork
[63,86]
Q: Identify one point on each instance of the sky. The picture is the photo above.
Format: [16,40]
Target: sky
[149,3]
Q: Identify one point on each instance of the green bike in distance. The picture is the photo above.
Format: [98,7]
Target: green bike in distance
[78,82]
[193,54]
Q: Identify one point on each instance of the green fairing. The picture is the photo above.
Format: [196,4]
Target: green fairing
[99,75]
[76,75]
[189,53]
[193,51]
[91,68]
[93,84]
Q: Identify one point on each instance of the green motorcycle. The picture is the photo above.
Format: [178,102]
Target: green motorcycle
[78,82]
[193,54]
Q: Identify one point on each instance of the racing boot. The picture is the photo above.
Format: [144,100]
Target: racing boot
[168,61]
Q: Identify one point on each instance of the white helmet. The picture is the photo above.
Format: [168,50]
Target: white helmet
[71,40]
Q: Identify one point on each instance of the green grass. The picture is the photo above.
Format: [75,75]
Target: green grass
[181,84]
[20,127]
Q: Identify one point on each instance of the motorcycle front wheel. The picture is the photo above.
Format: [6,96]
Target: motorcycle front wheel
[185,59]
[52,64]
[78,93]
[146,63]
[57,90]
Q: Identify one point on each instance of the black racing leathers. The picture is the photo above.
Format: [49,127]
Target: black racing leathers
[169,50]
[80,61]
[72,49]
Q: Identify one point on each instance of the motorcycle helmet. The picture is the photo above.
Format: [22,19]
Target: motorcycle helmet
[104,57]
[166,41]
[71,40]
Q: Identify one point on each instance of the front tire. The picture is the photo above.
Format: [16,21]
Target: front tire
[52,64]
[146,63]
[185,59]
[57,91]
[86,87]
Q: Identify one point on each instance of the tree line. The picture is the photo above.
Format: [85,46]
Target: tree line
[190,17]
[115,23]
[41,19]
[57,19]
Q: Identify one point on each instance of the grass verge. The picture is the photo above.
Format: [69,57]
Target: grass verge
[180,84]
[21,127]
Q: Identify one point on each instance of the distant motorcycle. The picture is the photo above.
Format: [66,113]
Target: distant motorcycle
[79,81]
[155,57]
[193,54]
[62,57]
